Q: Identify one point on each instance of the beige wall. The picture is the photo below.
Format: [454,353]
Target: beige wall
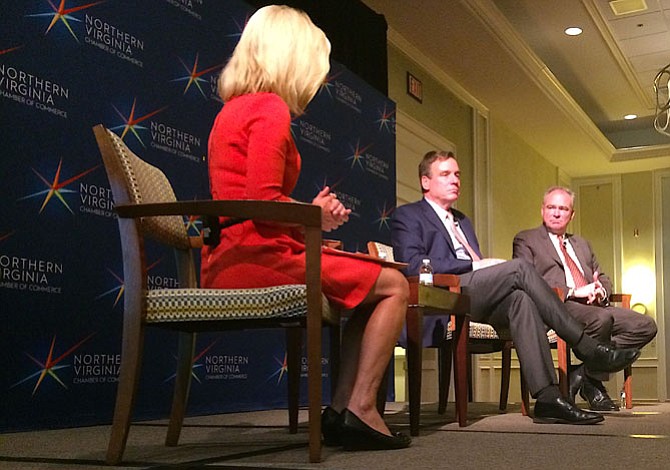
[637,226]
[615,213]
[519,177]
[440,111]
[639,252]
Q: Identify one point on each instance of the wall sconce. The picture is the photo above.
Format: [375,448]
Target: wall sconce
[639,308]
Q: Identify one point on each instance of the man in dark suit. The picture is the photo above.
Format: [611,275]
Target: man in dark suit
[567,261]
[507,294]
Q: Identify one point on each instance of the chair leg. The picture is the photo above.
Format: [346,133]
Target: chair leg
[314,390]
[383,388]
[444,365]
[182,385]
[293,348]
[131,358]
[505,374]
[460,352]
[414,357]
[525,396]
[470,366]
[563,367]
[628,386]
[335,350]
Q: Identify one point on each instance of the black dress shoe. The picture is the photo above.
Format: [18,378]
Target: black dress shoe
[331,426]
[610,359]
[594,392]
[575,379]
[356,435]
[559,411]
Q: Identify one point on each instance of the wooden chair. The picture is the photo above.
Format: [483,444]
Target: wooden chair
[482,339]
[444,298]
[564,355]
[146,206]
[564,359]
[491,335]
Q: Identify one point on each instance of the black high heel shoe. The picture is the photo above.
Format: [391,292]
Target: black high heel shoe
[331,426]
[356,435]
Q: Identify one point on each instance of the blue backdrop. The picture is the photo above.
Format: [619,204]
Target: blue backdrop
[146,70]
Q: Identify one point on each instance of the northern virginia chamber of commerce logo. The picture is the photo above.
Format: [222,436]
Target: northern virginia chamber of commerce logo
[48,367]
[23,273]
[63,15]
[196,80]
[189,7]
[132,121]
[154,281]
[386,120]
[29,89]
[56,187]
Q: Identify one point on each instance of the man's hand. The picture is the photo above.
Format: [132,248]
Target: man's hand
[333,212]
[601,293]
[593,293]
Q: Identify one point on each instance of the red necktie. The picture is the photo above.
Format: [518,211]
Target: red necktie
[577,275]
[461,239]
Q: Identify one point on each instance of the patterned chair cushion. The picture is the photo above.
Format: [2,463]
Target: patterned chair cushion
[278,302]
[484,331]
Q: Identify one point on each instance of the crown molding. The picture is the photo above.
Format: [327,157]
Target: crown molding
[635,153]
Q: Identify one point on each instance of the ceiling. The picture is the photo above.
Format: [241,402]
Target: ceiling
[564,95]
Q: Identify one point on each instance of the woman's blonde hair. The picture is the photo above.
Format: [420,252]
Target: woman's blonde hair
[280,51]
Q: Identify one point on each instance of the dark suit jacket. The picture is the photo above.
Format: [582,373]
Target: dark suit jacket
[417,233]
[535,246]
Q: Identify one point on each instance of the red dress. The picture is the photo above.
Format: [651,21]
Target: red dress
[252,155]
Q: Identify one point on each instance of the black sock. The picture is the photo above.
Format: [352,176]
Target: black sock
[585,347]
[548,393]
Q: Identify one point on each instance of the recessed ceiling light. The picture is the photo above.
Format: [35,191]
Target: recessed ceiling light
[630,116]
[573,31]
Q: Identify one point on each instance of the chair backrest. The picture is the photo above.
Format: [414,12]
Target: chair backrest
[134,181]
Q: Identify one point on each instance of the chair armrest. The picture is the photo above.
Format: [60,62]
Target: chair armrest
[293,213]
[447,280]
[334,244]
[623,299]
[435,300]
[196,242]
[559,292]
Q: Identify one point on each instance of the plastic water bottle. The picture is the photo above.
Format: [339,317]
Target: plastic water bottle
[426,273]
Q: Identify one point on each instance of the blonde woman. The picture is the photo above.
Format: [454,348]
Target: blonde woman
[276,69]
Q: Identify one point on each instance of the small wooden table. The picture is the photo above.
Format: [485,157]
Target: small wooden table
[430,301]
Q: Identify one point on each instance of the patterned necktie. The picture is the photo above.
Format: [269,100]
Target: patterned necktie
[461,239]
[577,275]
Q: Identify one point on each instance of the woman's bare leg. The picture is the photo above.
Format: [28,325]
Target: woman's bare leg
[367,346]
